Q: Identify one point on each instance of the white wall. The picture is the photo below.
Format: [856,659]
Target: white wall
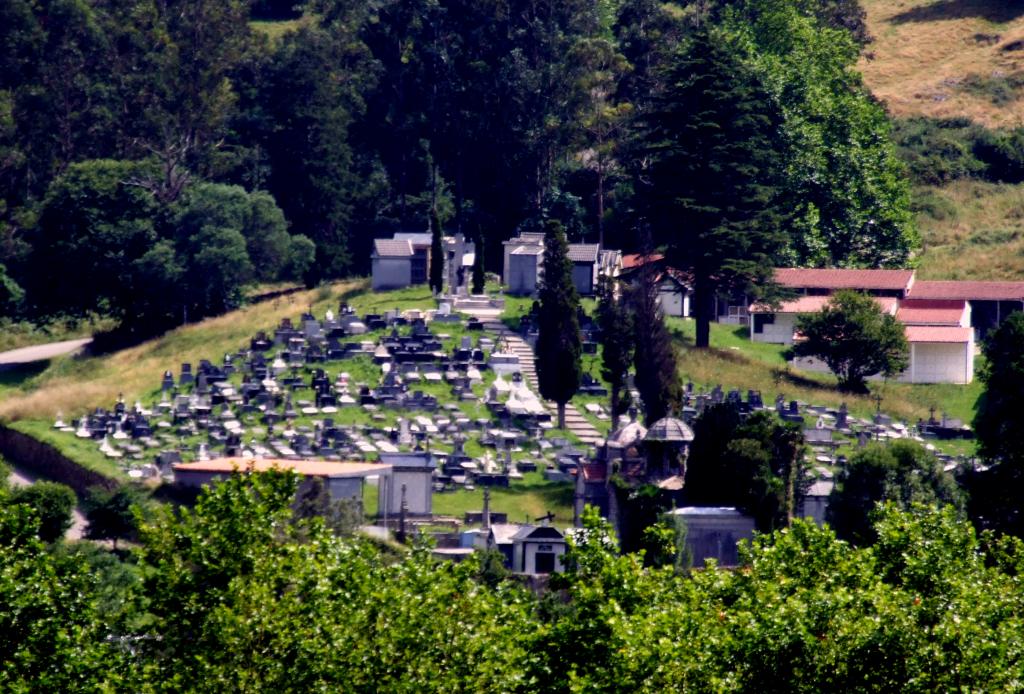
[522,274]
[418,491]
[673,302]
[391,273]
[940,363]
[780,332]
[929,363]
[530,548]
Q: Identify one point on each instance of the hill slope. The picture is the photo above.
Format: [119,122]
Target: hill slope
[946,58]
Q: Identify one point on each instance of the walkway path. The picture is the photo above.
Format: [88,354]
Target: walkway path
[574,421]
[27,355]
[23,478]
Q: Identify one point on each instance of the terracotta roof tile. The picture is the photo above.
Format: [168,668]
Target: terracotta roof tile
[976,291]
[931,312]
[838,278]
[931,333]
[309,468]
[813,304]
[632,260]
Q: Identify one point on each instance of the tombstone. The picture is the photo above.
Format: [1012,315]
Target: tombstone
[754,401]
[186,374]
[168,381]
[862,439]
[717,395]
[202,387]
[841,416]
[780,404]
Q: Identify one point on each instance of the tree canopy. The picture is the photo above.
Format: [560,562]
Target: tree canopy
[855,338]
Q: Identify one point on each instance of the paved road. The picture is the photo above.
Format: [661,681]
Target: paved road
[23,478]
[27,355]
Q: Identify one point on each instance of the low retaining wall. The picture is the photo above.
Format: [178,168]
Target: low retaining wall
[44,460]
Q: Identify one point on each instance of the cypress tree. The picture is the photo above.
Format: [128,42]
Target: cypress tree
[559,346]
[436,253]
[709,140]
[478,266]
[617,340]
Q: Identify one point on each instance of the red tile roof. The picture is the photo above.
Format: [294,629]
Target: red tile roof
[632,260]
[931,312]
[308,468]
[931,333]
[837,278]
[976,291]
[813,304]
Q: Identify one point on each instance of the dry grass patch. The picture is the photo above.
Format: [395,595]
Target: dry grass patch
[74,385]
[946,58]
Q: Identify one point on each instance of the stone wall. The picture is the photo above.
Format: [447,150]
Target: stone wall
[44,460]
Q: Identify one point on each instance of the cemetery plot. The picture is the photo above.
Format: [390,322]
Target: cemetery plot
[341,387]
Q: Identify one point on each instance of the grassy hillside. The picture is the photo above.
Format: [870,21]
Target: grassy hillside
[946,58]
[972,230]
[74,385]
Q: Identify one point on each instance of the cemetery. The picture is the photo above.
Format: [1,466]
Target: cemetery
[429,418]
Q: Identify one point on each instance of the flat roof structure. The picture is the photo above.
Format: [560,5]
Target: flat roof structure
[932,312]
[967,290]
[841,278]
[813,304]
[306,468]
[938,334]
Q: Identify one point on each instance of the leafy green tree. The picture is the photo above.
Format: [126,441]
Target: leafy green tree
[436,253]
[755,465]
[614,320]
[901,472]
[51,635]
[559,346]
[994,493]
[110,514]
[855,338]
[709,154]
[52,502]
[92,225]
[306,132]
[841,177]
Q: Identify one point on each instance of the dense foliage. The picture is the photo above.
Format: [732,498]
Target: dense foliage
[756,465]
[239,593]
[995,489]
[708,140]
[359,119]
[855,338]
[902,472]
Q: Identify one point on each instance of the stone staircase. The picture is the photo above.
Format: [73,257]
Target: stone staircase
[574,421]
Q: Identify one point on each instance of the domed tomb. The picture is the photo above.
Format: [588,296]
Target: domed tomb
[670,430]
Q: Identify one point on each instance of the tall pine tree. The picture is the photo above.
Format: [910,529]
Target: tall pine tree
[708,185]
[657,375]
[559,347]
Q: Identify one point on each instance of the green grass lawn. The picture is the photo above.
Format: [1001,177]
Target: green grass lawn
[733,361]
[524,500]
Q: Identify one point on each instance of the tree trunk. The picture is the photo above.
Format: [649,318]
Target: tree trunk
[561,415]
[791,488]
